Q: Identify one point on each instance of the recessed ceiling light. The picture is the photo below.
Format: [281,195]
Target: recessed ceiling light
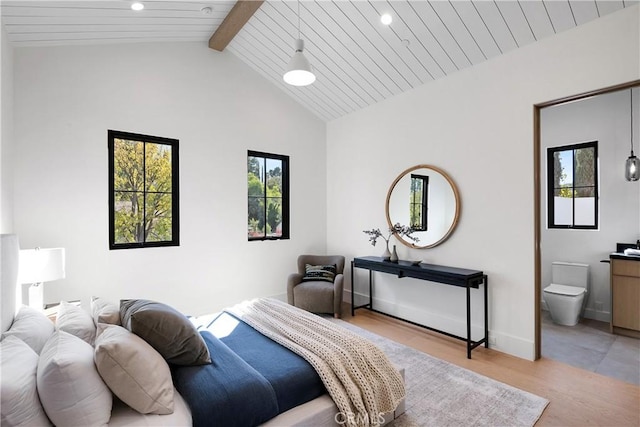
[136,5]
[386,19]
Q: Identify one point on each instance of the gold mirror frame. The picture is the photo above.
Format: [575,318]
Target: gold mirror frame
[456,215]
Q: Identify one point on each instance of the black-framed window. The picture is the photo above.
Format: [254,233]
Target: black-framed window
[572,186]
[268,196]
[143,191]
[418,201]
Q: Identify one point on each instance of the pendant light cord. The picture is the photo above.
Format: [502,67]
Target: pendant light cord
[631,97]
[298,18]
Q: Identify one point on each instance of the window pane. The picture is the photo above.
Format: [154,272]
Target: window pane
[584,167]
[416,216]
[274,216]
[563,169]
[157,167]
[563,207]
[128,171]
[256,217]
[157,225]
[585,211]
[128,217]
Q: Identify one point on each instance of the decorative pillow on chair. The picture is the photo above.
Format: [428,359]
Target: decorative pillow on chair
[165,329]
[104,312]
[133,370]
[70,388]
[74,320]
[19,401]
[32,327]
[323,273]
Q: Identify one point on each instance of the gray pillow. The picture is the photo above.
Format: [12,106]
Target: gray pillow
[103,311]
[165,329]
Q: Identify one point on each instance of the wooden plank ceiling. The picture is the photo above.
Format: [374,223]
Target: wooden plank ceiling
[357,60]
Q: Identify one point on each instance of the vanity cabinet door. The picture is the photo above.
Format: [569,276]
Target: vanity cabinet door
[625,293]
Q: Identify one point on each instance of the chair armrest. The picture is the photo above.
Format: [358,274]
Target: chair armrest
[294,280]
[338,288]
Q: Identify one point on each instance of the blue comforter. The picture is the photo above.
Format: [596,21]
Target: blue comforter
[251,378]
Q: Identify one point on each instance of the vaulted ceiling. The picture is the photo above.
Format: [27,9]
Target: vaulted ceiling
[357,60]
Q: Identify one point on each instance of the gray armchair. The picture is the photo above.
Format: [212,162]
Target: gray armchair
[317,296]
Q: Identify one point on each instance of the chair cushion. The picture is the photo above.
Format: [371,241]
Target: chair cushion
[313,273]
[316,297]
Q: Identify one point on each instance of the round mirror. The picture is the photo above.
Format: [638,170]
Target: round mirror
[425,198]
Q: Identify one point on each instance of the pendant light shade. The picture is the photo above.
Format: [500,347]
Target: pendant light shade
[632,166]
[299,70]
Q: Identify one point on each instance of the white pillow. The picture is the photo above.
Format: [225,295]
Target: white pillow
[32,327]
[70,388]
[74,320]
[104,312]
[19,401]
[133,370]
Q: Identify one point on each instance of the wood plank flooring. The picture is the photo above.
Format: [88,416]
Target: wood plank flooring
[577,397]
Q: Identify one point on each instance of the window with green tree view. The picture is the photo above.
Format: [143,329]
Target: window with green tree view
[143,191]
[268,196]
[572,179]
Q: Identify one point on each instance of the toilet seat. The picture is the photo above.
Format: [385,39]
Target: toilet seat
[565,290]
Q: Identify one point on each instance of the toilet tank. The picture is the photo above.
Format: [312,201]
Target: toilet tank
[570,273]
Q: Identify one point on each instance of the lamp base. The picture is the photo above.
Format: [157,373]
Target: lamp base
[36,296]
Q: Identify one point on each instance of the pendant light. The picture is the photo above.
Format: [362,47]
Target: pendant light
[299,70]
[632,167]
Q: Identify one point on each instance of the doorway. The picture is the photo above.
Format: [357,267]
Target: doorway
[583,245]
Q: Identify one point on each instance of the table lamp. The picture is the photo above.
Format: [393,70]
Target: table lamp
[38,266]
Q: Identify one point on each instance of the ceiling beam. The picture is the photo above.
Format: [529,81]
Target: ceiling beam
[233,23]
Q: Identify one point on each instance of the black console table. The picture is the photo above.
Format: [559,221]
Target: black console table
[434,273]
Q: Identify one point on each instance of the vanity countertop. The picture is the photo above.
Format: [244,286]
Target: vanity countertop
[621,255]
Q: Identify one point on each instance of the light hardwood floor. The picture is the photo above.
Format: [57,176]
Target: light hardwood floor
[577,397]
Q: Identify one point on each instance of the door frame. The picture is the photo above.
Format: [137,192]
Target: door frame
[536,195]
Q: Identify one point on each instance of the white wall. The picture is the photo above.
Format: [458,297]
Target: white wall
[606,119]
[66,98]
[477,125]
[6,135]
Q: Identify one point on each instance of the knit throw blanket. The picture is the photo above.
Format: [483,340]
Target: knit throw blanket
[358,376]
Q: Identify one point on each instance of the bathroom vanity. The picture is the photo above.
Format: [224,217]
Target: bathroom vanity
[625,294]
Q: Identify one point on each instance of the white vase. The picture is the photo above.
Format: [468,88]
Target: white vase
[386,255]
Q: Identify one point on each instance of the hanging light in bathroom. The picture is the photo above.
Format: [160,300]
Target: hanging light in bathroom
[632,166]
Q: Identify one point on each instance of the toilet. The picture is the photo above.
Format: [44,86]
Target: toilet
[565,295]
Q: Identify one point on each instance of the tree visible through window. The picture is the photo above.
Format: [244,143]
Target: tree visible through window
[268,196]
[573,186]
[143,191]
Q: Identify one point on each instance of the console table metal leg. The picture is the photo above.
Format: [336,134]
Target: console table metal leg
[486,311]
[353,291]
[468,322]
[370,290]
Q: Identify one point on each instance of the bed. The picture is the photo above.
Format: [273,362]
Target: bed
[262,369]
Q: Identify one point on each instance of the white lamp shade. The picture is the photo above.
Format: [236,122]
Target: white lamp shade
[299,69]
[41,265]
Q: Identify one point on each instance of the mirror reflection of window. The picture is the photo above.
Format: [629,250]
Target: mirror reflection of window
[418,199]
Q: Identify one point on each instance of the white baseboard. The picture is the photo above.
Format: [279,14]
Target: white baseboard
[602,316]
[505,343]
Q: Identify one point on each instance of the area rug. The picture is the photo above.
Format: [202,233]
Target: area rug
[442,394]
